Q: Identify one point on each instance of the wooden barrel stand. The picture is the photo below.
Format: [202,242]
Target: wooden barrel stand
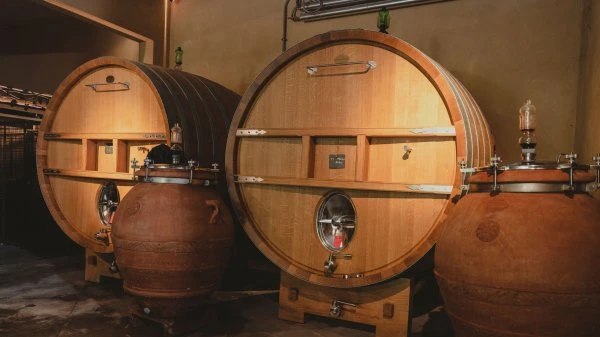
[385,306]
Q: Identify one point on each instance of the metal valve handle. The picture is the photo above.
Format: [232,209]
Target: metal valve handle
[335,310]
[330,265]
[339,221]
[109,203]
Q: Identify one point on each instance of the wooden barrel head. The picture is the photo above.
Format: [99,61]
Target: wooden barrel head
[371,117]
[105,114]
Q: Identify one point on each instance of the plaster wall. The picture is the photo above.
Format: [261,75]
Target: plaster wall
[588,121]
[502,51]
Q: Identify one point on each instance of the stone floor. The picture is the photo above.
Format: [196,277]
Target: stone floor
[48,297]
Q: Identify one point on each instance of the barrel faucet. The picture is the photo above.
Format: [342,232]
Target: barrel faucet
[335,310]
[330,265]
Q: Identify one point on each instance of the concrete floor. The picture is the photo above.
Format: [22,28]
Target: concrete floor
[48,297]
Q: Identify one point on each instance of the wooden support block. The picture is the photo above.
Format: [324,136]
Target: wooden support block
[98,266]
[308,157]
[362,158]
[385,306]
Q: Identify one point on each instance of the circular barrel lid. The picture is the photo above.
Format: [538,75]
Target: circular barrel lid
[342,156]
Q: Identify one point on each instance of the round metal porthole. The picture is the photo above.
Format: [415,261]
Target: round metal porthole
[336,221]
[108,200]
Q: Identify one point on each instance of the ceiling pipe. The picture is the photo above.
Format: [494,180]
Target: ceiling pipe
[358,9]
[328,4]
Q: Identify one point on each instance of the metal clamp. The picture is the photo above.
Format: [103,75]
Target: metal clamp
[330,265]
[192,165]
[571,160]
[146,165]
[596,165]
[495,160]
[312,69]
[336,308]
[134,166]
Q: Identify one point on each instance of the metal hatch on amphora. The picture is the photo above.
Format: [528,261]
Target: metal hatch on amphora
[520,252]
[341,164]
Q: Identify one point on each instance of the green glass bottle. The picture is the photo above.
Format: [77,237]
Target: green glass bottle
[383,20]
[178,58]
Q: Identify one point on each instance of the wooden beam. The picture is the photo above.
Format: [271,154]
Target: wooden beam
[146,44]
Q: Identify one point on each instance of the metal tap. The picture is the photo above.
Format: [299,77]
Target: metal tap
[335,310]
[330,265]
[102,235]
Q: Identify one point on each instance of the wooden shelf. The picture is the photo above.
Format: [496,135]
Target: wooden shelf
[347,184]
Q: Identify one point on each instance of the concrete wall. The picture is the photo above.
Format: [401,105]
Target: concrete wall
[503,52]
[588,126]
[44,51]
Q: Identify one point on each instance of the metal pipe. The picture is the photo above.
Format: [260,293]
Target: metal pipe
[360,9]
[328,4]
[25,118]
[285,13]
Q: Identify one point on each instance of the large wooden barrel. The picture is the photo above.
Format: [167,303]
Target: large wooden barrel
[342,156]
[524,261]
[108,112]
[172,238]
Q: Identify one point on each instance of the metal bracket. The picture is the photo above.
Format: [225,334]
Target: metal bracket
[52,135]
[249,132]
[247,179]
[51,171]
[450,131]
[431,188]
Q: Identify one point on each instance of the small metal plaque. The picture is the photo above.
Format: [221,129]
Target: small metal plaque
[337,161]
[108,148]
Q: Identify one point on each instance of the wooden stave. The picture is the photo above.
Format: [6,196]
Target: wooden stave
[446,85]
[153,76]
